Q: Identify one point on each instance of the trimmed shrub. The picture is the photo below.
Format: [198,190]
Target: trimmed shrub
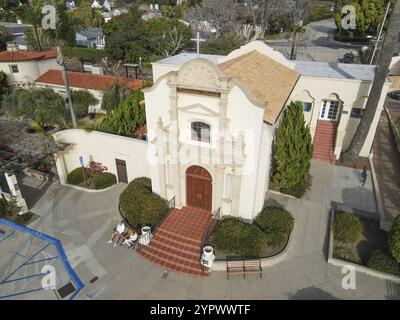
[276,223]
[139,205]
[144,182]
[234,236]
[105,180]
[75,177]
[394,239]
[347,227]
[383,262]
[299,189]
[346,254]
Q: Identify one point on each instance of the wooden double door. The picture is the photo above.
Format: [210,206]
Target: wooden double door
[198,188]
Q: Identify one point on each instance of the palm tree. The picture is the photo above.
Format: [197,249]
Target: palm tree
[297,14]
[351,155]
[32,15]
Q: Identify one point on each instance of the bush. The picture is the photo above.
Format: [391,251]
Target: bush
[139,205]
[144,182]
[383,262]
[75,177]
[347,227]
[299,189]
[104,180]
[394,239]
[344,253]
[234,236]
[276,223]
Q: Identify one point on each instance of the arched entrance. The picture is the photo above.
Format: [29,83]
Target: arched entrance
[198,188]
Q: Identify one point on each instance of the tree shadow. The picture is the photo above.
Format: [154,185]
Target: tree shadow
[312,293]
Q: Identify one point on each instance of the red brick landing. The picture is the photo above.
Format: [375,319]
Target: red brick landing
[176,243]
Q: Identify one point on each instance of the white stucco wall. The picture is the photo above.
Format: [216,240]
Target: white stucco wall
[28,70]
[352,93]
[104,148]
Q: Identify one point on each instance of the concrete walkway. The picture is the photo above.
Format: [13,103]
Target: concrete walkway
[387,166]
[83,221]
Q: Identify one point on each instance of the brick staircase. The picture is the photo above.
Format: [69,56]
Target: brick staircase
[324,141]
[176,243]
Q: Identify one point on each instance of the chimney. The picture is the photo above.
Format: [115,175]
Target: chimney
[97,69]
[12,46]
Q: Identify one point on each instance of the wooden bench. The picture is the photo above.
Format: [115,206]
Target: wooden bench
[243,266]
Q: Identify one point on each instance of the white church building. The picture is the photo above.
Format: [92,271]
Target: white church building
[211,122]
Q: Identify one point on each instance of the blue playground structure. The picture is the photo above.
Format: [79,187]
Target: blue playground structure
[26,258]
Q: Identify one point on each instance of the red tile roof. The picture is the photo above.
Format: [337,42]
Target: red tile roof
[22,55]
[87,80]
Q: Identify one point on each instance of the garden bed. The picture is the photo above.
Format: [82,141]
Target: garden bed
[267,236]
[23,219]
[360,241]
[92,177]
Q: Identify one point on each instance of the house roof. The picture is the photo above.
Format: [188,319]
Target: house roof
[91,33]
[87,80]
[336,70]
[14,28]
[268,80]
[22,55]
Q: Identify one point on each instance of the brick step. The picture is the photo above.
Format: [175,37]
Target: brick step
[189,253]
[176,264]
[323,150]
[171,235]
[178,255]
[174,244]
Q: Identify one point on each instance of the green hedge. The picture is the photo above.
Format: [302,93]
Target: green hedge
[105,180]
[299,189]
[139,205]
[276,223]
[383,262]
[234,236]
[75,176]
[347,227]
[394,239]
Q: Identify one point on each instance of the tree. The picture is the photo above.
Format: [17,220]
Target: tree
[85,16]
[4,88]
[351,155]
[41,105]
[298,10]
[127,117]
[4,38]
[114,96]
[293,149]
[32,15]
[221,15]
[261,13]
[82,100]
[222,45]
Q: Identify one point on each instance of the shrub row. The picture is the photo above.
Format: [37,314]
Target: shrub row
[103,181]
[381,261]
[347,227]
[235,236]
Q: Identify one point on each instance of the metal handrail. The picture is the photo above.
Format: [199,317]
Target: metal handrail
[212,225]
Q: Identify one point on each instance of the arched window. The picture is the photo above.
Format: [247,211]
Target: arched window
[201,131]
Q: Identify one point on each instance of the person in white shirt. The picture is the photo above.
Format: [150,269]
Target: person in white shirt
[131,240]
[118,232]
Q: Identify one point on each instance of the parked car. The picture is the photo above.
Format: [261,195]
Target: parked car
[347,58]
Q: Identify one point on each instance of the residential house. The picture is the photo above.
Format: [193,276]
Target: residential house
[101,4]
[94,83]
[22,67]
[16,31]
[90,38]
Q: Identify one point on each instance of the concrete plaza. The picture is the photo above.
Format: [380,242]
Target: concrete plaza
[83,222]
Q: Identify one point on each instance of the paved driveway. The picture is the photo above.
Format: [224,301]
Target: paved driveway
[83,221]
[316,43]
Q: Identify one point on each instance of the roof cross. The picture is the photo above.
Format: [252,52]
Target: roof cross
[198,40]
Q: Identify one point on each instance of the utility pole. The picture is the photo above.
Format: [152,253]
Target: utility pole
[62,61]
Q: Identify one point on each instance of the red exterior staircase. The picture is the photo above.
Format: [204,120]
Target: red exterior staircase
[324,141]
[177,241]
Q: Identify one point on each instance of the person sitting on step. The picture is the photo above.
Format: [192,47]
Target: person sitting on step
[118,233]
[130,241]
